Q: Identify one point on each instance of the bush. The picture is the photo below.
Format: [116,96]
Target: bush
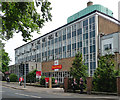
[53,80]
[13,77]
[42,80]
[31,76]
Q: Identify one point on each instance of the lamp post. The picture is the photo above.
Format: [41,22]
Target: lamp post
[24,73]
[1,84]
[35,59]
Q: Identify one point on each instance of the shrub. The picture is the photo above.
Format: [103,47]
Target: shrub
[13,77]
[42,80]
[53,80]
[31,76]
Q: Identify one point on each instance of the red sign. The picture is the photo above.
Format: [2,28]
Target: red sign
[46,79]
[38,74]
[56,81]
[56,67]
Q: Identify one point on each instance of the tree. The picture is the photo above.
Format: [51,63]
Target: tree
[23,17]
[78,68]
[4,59]
[104,78]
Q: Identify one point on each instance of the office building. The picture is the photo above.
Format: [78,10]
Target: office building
[81,33]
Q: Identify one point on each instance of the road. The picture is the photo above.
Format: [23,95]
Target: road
[8,92]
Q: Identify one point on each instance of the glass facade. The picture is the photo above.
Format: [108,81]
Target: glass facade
[63,43]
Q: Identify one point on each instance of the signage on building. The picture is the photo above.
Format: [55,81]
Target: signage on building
[38,74]
[56,67]
[56,62]
[47,79]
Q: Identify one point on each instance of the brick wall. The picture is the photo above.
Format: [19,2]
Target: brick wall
[66,64]
[118,86]
[117,61]
[106,26]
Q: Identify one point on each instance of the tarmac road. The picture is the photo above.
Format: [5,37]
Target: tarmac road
[14,94]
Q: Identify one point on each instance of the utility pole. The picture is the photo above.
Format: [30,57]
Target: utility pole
[24,75]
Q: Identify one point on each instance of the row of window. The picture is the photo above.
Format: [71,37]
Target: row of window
[60,40]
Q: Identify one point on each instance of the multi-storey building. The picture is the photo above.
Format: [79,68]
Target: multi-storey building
[81,33]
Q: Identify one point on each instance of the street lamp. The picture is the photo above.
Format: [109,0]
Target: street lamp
[24,73]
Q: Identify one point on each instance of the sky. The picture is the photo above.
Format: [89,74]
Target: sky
[61,10]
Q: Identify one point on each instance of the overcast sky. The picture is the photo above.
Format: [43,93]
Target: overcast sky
[61,10]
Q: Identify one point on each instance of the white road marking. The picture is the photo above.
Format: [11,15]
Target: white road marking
[2,91]
[22,94]
[28,95]
[35,96]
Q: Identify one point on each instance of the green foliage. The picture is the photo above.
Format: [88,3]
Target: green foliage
[42,80]
[105,75]
[78,68]
[53,80]
[4,59]
[13,77]
[23,17]
[1,56]
[31,76]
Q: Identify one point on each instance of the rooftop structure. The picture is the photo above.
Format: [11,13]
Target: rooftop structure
[90,8]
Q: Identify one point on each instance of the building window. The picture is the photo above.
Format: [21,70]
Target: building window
[48,42]
[69,47]
[64,48]
[73,33]
[92,20]
[56,40]
[74,46]
[68,35]
[85,23]
[60,38]
[79,31]
[64,37]
[52,41]
[107,46]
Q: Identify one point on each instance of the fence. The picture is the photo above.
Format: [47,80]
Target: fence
[89,85]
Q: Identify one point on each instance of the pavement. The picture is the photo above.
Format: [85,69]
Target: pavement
[57,91]
[31,88]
